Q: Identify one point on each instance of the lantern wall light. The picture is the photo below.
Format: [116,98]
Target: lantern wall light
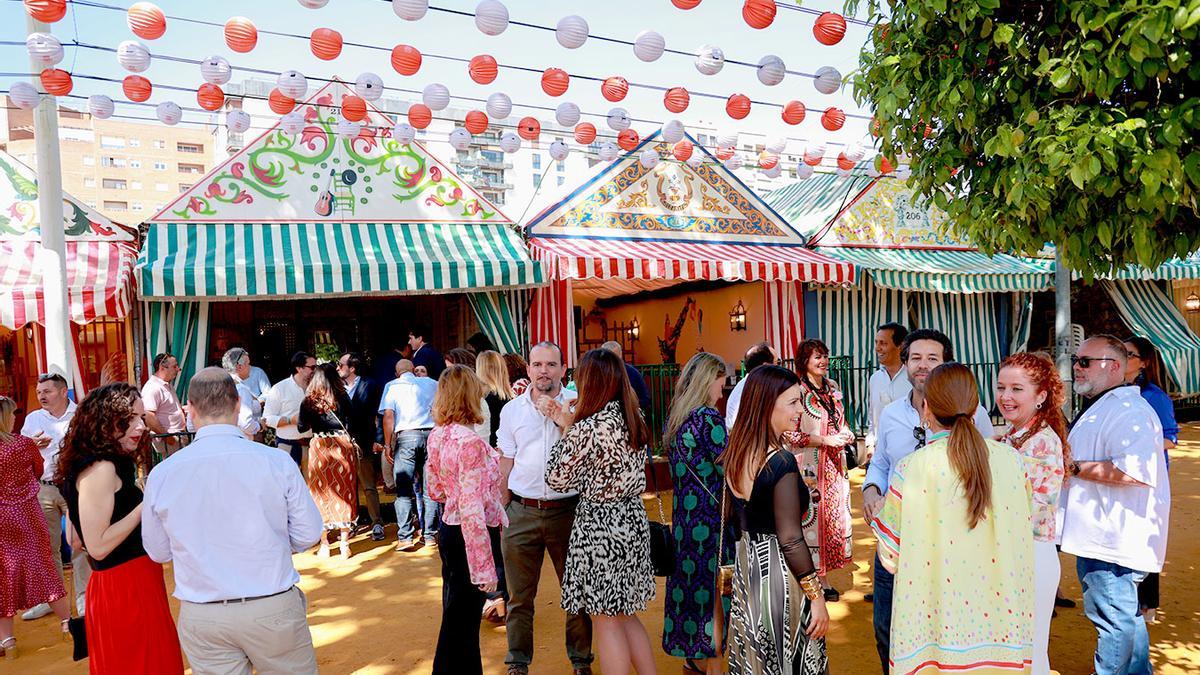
[1192,303]
[737,318]
[635,330]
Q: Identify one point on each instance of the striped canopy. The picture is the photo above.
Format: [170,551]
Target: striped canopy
[1173,270]
[1150,312]
[98,280]
[809,205]
[288,260]
[946,271]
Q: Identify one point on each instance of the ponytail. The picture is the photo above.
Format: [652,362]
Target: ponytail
[968,454]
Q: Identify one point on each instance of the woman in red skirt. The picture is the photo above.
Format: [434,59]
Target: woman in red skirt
[332,458]
[129,624]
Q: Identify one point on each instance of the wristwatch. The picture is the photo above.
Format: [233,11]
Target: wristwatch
[1073,467]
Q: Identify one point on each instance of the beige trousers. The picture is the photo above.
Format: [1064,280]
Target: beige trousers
[54,508]
[269,636]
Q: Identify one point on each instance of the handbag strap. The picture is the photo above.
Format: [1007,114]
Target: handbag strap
[721,532]
[662,516]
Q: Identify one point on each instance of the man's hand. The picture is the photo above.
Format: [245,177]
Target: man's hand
[377,448]
[41,439]
[489,587]
[872,502]
[389,453]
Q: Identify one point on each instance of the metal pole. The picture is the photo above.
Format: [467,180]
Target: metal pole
[50,210]
[1062,326]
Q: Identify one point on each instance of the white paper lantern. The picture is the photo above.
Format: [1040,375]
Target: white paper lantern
[771,70]
[776,145]
[608,152]
[293,84]
[369,87]
[510,142]
[827,80]
[649,45]
[618,119]
[410,10]
[649,158]
[100,106]
[872,171]
[403,133]
[436,96]
[903,172]
[491,17]
[44,49]
[695,161]
[559,150]
[672,131]
[804,171]
[572,31]
[567,114]
[855,153]
[347,129]
[460,139]
[499,106]
[814,151]
[844,173]
[313,4]
[710,60]
[237,121]
[733,163]
[24,95]
[169,113]
[773,172]
[727,140]
[215,70]
[292,123]
[133,56]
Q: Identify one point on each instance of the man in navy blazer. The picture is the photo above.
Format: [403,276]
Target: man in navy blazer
[364,402]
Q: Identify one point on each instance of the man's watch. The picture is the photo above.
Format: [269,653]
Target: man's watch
[1073,467]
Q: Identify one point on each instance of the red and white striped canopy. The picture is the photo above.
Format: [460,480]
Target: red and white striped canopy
[99,279]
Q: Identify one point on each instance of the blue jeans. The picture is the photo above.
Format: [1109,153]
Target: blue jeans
[1110,600]
[293,448]
[882,608]
[410,487]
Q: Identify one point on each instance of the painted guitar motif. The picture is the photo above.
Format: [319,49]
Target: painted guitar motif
[324,205]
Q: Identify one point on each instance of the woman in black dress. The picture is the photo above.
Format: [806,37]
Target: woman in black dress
[332,460]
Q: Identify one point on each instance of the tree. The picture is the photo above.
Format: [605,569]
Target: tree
[1071,122]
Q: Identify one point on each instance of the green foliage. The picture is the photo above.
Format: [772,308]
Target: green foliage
[1070,122]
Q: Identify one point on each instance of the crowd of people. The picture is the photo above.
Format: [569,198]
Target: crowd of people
[499,462]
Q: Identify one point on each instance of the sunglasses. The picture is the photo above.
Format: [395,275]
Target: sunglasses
[919,434]
[1085,362]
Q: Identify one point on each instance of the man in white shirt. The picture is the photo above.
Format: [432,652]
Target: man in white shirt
[539,519]
[900,434]
[760,354]
[229,513]
[890,382]
[164,414]
[236,362]
[1116,503]
[47,426]
[407,408]
[256,381]
[282,410]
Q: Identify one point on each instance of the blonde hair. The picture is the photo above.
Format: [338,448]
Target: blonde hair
[490,368]
[952,397]
[691,391]
[458,397]
[8,408]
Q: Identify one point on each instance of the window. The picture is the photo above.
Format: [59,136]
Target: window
[191,168]
[109,142]
[114,184]
[88,160]
[135,163]
[137,206]
[135,143]
[116,206]
[135,185]
[115,162]
[193,148]
[160,166]
[89,182]
[537,162]
[561,167]
[160,145]
[561,180]
[536,180]
[161,187]
[184,187]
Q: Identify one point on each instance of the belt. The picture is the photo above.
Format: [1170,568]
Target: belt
[48,483]
[546,503]
[244,600]
[291,441]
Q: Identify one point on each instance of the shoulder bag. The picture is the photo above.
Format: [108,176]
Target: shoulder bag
[662,541]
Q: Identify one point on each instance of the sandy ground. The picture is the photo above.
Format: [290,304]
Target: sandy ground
[379,611]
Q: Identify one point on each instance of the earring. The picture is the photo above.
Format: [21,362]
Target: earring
[1039,406]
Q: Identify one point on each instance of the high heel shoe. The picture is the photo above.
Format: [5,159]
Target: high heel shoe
[344,549]
[9,647]
[66,630]
[323,550]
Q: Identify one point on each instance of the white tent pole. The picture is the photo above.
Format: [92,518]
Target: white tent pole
[1062,326]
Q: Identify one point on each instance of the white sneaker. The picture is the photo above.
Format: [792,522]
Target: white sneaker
[37,612]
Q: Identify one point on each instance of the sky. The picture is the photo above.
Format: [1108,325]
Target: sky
[373,22]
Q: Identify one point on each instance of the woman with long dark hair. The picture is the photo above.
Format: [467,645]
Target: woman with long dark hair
[332,461]
[602,456]
[955,530]
[778,619]
[128,622]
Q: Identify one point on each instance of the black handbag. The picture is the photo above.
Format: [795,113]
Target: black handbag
[78,638]
[662,540]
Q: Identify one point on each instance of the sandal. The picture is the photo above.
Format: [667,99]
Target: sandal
[690,666]
[9,647]
[66,630]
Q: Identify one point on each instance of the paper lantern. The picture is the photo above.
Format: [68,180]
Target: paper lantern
[46,11]
[843,172]
[733,163]
[419,115]
[614,88]
[237,121]
[724,152]
[133,56]
[460,139]
[759,13]
[215,70]
[676,99]
[876,127]
[773,172]
[348,128]
[695,161]
[883,165]
[727,140]
[292,123]
[804,171]
[585,133]
[313,4]
[410,10]
[240,34]
[813,160]
[793,112]
[776,145]
[771,70]
[44,49]
[326,43]
[559,151]
[24,95]
[710,60]
[567,114]
[686,4]
[628,139]
[403,133]
[672,131]
[169,113]
[406,60]
[555,81]
[683,150]
[767,160]
[829,28]
[649,46]
[607,152]
[572,31]
[738,106]
[618,119]
[510,142]
[354,108]
[369,87]
[833,119]
[100,106]
[649,158]
[483,69]
[56,82]
[903,172]
[827,80]
[815,151]
[210,97]
[844,162]
[491,17]
[146,20]
[529,128]
[499,106]
[436,96]
[136,88]
[476,122]
[293,84]
[855,153]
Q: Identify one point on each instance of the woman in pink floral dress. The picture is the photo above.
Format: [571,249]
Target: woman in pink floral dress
[462,473]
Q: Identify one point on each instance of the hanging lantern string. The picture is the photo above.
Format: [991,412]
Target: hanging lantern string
[818,12]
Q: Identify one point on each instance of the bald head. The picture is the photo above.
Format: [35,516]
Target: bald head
[213,397]
[403,366]
[614,347]
[1106,359]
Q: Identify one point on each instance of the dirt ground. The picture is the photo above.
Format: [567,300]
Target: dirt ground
[379,611]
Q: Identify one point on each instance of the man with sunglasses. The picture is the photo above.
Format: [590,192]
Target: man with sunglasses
[1116,503]
[898,435]
[282,410]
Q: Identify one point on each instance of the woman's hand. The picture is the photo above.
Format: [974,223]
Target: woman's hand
[489,587]
[818,623]
[793,439]
[566,415]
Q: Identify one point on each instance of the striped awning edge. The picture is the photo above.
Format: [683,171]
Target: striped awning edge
[99,277]
[946,271]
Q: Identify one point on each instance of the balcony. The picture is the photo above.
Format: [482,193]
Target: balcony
[484,162]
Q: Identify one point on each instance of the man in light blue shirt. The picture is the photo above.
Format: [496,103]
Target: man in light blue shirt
[230,513]
[407,409]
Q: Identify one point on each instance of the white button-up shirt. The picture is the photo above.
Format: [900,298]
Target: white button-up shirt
[284,400]
[229,512]
[526,437]
[257,382]
[249,411]
[54,427]
[896,439]
[1121,524]
[410,398]
[734,402]
[883,390]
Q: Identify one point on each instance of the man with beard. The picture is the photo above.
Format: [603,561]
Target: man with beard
[539,519]
[901,433]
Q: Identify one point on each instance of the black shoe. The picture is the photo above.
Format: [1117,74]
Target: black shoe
[869,597]
[832,595]
[582,670]
[514,669]
[1064,602]
[377,532]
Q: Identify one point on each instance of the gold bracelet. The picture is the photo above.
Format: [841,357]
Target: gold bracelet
[811,586]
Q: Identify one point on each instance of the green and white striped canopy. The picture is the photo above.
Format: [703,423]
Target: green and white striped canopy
[1172,270]
[247,261]
[946,271]
[809,205]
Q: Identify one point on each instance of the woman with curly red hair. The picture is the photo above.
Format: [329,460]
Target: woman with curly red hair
[1030,395]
